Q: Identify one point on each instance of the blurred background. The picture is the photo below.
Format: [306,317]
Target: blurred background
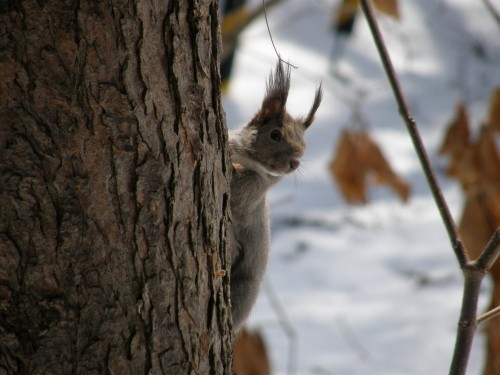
[362,278]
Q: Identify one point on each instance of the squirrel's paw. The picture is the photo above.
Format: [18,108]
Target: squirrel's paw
[237,168]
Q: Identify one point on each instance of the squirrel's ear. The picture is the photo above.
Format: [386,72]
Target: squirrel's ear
[317,101]
[273,105]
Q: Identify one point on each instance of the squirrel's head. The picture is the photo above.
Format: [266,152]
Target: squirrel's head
[277,140]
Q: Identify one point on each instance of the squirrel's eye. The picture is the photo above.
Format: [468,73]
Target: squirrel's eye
[275,135]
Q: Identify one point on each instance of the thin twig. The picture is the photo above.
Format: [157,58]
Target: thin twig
[487,316]
[285,325]
[230,37]
[492,10]
[351,338]
[411,126]
[490,254]
[271,37]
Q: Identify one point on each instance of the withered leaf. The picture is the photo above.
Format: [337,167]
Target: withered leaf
[357,158]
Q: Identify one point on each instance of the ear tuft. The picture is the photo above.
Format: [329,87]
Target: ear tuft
[278,85]
[317,101]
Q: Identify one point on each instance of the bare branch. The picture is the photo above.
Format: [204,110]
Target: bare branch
[351,339]
[467,323]
[474,272]
[286,325]
[271,36]
[411,126]
[492,10]
[487,316]
[490,253]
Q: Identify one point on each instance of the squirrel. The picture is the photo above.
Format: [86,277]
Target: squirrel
[262,152]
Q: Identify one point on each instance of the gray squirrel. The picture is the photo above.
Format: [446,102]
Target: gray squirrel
[262,152]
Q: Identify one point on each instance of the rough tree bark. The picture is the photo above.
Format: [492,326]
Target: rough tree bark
[113,189]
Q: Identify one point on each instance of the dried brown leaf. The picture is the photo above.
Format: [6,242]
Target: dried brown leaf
[379,166]
[480,218]
[494,116]
[344,16]
[250,354]
[388,7]
[357,157]
[480,163]
[456,140]
[347,169]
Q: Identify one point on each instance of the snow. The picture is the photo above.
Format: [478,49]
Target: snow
[371,289]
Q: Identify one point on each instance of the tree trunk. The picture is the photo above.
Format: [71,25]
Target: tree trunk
[113,189]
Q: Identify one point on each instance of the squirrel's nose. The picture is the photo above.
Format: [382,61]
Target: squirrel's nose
[294,164]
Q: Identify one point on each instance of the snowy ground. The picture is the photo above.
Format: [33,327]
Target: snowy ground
[369,289]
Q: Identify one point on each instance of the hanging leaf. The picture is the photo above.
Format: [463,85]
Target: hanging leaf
[488,157]
[480,218]
[480,163]
[477,166]
[457,135]
[494,116]
[345,15]
[456,139]
[382,171]
[479,174]
[250,354]
[235,16]
[348,170]
[358,157]
[388,7]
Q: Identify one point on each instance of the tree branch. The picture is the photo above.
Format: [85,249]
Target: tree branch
[490,253]
[411,126]
[494,13]
[286,325]
[488,315]
[467,323]
[475,271]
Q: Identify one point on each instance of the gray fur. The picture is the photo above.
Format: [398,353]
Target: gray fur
[260,161]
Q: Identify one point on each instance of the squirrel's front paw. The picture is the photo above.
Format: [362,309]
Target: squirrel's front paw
[237,168]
